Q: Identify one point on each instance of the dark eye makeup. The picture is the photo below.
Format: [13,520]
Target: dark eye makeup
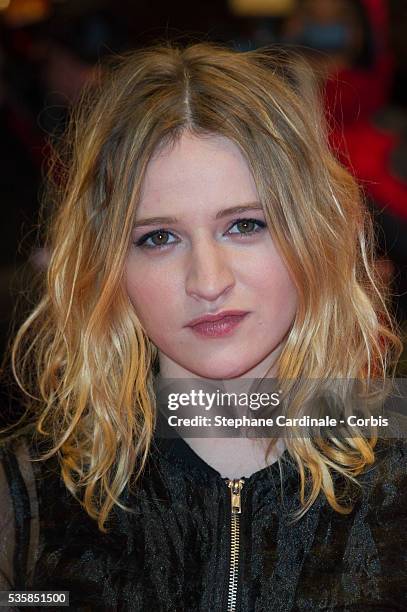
[142,242]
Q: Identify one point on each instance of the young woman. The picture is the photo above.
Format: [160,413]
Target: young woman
[202,230]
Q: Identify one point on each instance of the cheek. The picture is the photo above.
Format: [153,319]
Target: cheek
[277,294]
[154,301]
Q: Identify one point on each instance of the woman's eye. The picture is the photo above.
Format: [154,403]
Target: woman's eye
[158,240]
[247,227]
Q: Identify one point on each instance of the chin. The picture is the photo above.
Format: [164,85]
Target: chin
[221,372]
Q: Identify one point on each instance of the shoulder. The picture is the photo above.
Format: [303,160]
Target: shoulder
[384,483]
[18,509]
[16,457]
[390,464]
[391,453]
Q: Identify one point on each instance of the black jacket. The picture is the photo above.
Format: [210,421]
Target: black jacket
[174,552]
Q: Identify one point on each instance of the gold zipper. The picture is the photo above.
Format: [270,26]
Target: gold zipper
[235,487]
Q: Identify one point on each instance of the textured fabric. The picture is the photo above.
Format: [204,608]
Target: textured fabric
[172,553]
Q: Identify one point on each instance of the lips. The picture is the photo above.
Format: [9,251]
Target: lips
[217,325]
[210,318]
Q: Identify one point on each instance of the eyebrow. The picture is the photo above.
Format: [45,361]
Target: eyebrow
[225,212]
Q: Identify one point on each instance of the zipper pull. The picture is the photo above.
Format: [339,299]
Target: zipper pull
[235,487]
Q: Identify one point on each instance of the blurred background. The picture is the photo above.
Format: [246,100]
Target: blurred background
[50,48]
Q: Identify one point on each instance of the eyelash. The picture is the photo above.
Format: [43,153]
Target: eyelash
[141,242]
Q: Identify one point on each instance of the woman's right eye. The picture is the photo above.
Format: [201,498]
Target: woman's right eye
[158,239]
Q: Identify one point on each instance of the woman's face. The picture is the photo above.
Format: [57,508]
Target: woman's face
[207,259]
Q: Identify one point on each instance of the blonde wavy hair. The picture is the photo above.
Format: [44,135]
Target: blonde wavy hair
[82,357]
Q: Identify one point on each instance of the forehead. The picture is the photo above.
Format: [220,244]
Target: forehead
[196,173]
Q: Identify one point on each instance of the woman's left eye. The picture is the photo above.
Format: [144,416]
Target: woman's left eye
[247,227]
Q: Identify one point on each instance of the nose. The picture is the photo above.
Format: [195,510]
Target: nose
[210,273]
